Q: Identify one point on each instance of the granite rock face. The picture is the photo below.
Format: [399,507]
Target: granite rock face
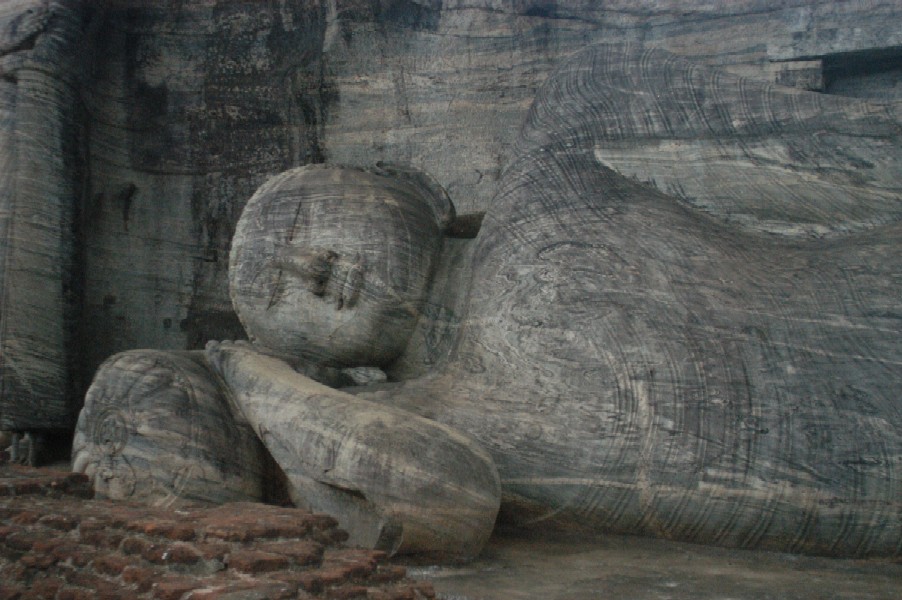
[646,363]
[191,106]
[159,427]
[715,363]
[144,128]
[42,170]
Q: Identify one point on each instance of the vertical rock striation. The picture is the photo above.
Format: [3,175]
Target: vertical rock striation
[39,191]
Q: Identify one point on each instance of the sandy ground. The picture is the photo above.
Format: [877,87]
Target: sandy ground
[624,567]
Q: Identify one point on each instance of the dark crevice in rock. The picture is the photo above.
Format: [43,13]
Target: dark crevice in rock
[874,74]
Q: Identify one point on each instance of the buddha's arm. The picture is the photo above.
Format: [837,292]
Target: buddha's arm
[393,479]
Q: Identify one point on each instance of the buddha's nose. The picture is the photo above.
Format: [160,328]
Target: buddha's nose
[326,273]
[313,266]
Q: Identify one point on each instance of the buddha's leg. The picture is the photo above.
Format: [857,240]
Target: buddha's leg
[393,479]
[655,370]
[156,427]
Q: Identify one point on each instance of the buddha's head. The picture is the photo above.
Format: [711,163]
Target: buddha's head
[332,265]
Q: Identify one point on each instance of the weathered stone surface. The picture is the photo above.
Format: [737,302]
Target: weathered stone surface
[632,361]
[151,126]
[763,157]
[678,336]
[191,108]
[185,112]
[444,85]
[397,482]
[41,165]
[364,243]
[157,427]
[675,260]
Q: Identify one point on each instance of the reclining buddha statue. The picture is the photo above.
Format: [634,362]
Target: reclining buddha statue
[680,317]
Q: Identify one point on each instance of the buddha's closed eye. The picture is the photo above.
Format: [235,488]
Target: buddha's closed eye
[325,273]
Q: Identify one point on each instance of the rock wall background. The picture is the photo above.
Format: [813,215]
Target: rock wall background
[191,105]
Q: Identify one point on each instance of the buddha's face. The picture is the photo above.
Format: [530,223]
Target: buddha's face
[332,265]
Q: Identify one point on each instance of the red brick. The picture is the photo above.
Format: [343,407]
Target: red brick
[360,563]
[235,532]
[101,538]
[246,590]
[213,551]
[110,564]
[137,525]
[174,588]
[170,530]
[140,577]
[70,593]
[244,522]
[92,523]
[301,552]
[27,487]
[252,561]
[183,554]
[43,589]
[15,572]
[357,554]
[424,589]
[331,537]
[388,574]
[155,553]
[349,592]
[164,554]
[181,533]
[21,541]
[321,521]
[287,525]
[77,484]
[26,517]
[307,581]
[120,516]
[100,588]
[48,545]
[64,551]
[134,545]
[34,560]
[335,574]
[80,554]
[60,522]
[397,593]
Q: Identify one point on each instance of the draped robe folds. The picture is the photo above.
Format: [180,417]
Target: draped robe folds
[719,363]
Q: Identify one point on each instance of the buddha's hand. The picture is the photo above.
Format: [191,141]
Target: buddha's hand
[394,480]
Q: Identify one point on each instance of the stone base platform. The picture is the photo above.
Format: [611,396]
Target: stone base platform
[58,543]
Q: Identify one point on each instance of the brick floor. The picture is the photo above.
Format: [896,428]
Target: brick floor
[58,543]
